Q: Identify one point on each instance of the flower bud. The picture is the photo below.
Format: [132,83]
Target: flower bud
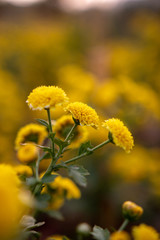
[131,211]
[83,229]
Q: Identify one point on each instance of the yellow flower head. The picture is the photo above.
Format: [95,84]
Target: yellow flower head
[121,136]
[62,127]
[65,187]
[60,189]
[44,97]
[11,206]
[27,153]
[84,114]
[31,133]
[144,231]
[131,210]
[23,170]
[120,236]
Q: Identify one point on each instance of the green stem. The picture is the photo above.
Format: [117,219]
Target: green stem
[70,133]
[50,168]
[37,188]
[50,129]
[86,153]
[37,165]
[101,145]
[123,226]
[49,119]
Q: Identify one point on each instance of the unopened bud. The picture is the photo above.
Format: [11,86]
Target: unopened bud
[131,211]
[83,229]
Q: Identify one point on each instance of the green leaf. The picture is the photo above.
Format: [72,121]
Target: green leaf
[48,178]
[43,197]
[78,174]
[43,122]
[85,147]
[28,222]
[35,234]
[55,214]
[51,135]
[45,149]
[31,181]
[39,224]
[60,143]
[42,201]
[100,233]
[46,156]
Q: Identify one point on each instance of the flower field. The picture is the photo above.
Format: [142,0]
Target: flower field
[80,124]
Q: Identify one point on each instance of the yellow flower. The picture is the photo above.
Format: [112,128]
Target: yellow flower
[23,170]
[27,153]
[131,210]
[44,97]
[120,236]
[120,134]
[65,187]
[62,127]
[31,133]
[60,189]
[144,231]
[11,206]
[84,114]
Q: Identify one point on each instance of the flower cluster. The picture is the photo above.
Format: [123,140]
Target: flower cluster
[48,141]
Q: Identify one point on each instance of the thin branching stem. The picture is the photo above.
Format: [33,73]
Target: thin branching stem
[37,165]
[70,132]
[88,152]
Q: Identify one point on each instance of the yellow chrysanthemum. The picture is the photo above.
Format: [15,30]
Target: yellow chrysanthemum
[44,97]
[83,113]
[120,236]
[121,136]
[131,210]
[60,189]
[27,153]
[65,186]
[11,206]
[144,231]
[31,133]
[62,127]
[23,170]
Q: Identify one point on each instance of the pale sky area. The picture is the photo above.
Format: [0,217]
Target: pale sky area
[74,4]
